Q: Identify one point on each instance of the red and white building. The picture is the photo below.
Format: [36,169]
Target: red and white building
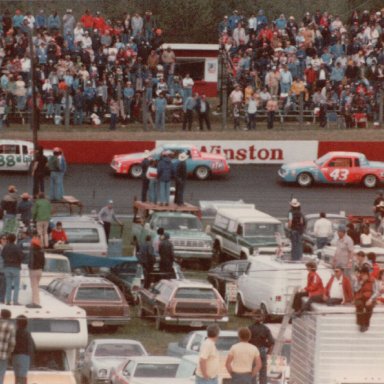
[201,62]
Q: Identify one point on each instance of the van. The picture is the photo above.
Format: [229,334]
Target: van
[269,283]
[243,231]
[85,234]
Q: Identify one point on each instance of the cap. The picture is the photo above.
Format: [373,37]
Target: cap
[110,201]
[294,203]
[342,228]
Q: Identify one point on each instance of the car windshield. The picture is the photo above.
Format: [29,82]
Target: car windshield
[336,221]
[224,343]
[179,223]
[97,293]
[82,235]
[263,232]
[323,159]
[156,370]
[55,265]
[195,293]
[119,350]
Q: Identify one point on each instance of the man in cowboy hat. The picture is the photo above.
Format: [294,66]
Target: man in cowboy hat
[180,178]
[261,337]
[296,224]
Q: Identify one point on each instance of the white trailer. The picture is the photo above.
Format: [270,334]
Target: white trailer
[328,348]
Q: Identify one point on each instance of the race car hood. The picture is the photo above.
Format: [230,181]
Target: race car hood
[375,164]
[212,156]
[300,164]
[130,156]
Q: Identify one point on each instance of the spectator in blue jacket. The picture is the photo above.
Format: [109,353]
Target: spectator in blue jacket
[128,94]
[41,20]
[164,176]
[160,106]
[54,22]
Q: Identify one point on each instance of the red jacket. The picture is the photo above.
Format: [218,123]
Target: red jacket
[314,284]
[347,288]
[375,271]
[87,21]
[58,235]
[366,290]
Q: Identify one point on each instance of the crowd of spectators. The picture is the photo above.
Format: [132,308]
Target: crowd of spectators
[334,65]
[98,68]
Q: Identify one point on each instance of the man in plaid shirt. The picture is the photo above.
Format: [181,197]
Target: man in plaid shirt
[7,341]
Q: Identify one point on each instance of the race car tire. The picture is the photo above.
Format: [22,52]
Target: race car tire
[370,181]
[202,172]
[135,171]
[305,179]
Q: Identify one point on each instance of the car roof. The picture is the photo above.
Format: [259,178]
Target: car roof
[86,280]
[116,341]
[19,142]
[280,264]
[250,215]
[186,283]
[74,218]
[345,153]
[192,358]
[173,214]
[223,333]
[327,215]
[155,359]
[176,145]
[55,256]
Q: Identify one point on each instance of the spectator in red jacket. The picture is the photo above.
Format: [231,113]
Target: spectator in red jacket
[375,272]
[364,298]
[58,234]
[338,289]
[87,21]
[314,290]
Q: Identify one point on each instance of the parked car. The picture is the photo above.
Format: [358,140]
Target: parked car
[186,231]
[334,168]
[129,278]
[101,355]
[190,344]
[309,238]
[227,274]
[243,231]
[145,370]
[56,266]
[182,302]
[201,165]
[103,302]
[16,155]
[269,283]
[85,234]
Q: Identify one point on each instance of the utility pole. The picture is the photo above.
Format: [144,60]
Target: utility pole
[34,110]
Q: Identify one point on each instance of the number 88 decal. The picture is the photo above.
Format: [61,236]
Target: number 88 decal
[339,174]
[8,161]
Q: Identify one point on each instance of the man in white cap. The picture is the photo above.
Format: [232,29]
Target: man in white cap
[180,178]
[296,224]
[107,216]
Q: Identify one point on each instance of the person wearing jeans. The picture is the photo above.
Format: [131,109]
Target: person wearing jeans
[7,341]
[164,176]
[12,256]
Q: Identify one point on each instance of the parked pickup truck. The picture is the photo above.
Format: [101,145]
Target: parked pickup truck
[181,222]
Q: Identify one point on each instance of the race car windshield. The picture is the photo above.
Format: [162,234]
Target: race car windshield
[321,160]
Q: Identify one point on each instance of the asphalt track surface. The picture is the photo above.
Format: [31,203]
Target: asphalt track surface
[258,184]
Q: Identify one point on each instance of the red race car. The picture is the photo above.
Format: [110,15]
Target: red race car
[201,165]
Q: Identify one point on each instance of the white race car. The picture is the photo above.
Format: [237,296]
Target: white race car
[16,155]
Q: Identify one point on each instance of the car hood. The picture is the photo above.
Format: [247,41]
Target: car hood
[299,164]
[108,361]
[375,164]
[185,234]
[212,156]
[130,156]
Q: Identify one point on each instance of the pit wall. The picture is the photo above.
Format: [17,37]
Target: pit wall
[236,152]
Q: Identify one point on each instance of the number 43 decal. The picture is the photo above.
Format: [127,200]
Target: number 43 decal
[339,174]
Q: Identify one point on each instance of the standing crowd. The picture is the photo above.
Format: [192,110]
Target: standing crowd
[328,63]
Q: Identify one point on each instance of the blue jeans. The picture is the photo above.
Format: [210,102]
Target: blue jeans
[3,368]
[21,364]
[297,245]
[241,378]
[285,87]
[56,186]
[201,380]
[152,191]
[127,106]
[12,279]
[321,242]
[78,117]
[262,376]
[164,191]
[160,120]
[113,122]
